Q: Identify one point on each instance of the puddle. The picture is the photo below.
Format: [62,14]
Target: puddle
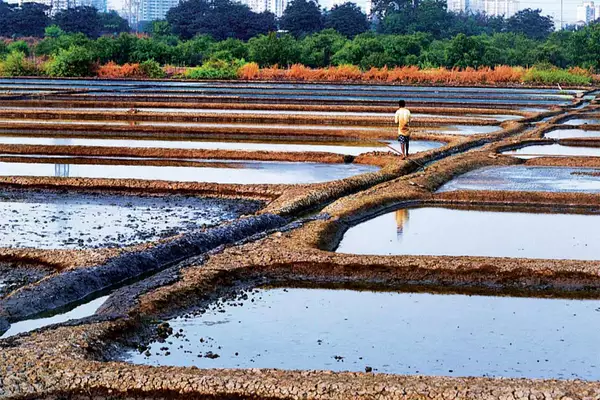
[528,179]
[82,311]
[15,275]
[572,133]
[438,231]
[249,172]
[465,129]
[582,121]
[339,147]
[396,333]
[70,220]
[553,150]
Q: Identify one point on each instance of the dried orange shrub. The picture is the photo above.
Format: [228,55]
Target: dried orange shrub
[113,70]
[249,71]
[271,73]
[299,72]
[506,74]
[407,74]
[376,74]
[343,73]
[580,71]
[172,71]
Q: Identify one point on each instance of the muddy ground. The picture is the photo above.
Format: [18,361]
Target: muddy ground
[71,220]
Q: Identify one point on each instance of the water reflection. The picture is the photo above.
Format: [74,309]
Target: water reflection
[62,170]
[402,217]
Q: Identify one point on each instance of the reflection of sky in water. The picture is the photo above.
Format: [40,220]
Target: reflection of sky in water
[553,150]
[398,333]
[571,133]
[249,172]
[349,148]
[441,231]
[532,179]
[582,121]
[82,311]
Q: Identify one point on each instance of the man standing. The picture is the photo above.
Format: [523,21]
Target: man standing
[403,118]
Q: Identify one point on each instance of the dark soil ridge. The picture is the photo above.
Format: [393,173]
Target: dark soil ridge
[73,286]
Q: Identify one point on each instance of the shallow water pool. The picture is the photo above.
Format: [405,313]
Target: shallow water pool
[528,179]
[554,150]
[248,172]
[397,333]
[439,231]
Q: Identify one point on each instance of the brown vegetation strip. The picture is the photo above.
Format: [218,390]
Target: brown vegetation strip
[258,192]
[174,154]
[571,162]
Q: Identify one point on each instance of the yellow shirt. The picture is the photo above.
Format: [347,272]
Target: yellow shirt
[402,118]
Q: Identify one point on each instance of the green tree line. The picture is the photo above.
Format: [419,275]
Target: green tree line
[343,36]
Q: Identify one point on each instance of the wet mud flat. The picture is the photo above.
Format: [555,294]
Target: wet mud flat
[441,231]
[14,275]
[383,332]
[76,220]
[528,179]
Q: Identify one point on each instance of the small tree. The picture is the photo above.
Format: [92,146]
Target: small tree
[348,19]
[83,19]
[302,17]
[77,61]
[16,64]
[271,49]
[531,23]
[19,46]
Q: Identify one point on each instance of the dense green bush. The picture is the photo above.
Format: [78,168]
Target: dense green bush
[152,69]
[19,46]
[16,64]
[553,76]
[77,61]
[215,69]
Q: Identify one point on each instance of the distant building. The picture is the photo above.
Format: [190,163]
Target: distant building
[588,12]
[152,10]
[459,5]
[365,5]
[507,8]
[275,6]
[58,5]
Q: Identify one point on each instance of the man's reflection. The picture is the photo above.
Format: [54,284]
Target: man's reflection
[401,221]
[61,170]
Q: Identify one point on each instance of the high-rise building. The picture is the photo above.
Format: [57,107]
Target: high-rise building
[507,8]
[588,12]
[459,5]
[151,10]
[58,5]
[365,5]
[275,6]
